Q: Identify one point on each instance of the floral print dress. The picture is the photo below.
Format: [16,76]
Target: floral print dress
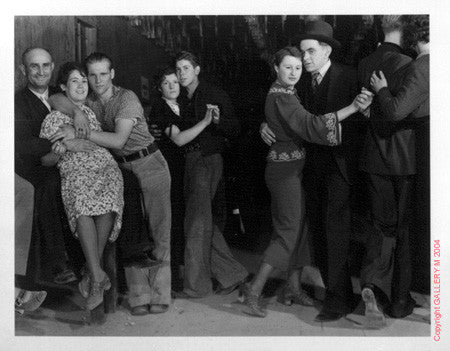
[91,182]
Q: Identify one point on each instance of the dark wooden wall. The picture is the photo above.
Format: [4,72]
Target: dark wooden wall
[133,55]
[56,33]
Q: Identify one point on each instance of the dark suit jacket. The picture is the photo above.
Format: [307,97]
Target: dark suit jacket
[29,113]
[389,145]
[338,87]
[413,92]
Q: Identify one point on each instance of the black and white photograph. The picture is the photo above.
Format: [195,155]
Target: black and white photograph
[203,175]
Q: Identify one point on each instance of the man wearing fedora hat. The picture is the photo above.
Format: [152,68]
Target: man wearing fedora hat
[326,86]
[331,171]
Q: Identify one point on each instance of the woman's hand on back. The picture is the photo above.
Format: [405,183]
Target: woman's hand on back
[378,82]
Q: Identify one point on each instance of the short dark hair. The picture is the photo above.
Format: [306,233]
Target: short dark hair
[189,56]
[286,51]
[27,51]
[67,68]
[162,74]
[97,57]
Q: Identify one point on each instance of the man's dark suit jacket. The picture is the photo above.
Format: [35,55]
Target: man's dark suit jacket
[413,92]
[337,89]
[29,113]
[389,145]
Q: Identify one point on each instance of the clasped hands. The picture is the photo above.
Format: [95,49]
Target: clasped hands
[363,100]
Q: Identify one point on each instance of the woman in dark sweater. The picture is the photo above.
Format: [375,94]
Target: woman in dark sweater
[165,115]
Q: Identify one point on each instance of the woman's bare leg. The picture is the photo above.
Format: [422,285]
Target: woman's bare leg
[104,224]
[260,279]
[87,232]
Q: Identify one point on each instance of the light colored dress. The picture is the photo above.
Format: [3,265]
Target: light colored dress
[91,182]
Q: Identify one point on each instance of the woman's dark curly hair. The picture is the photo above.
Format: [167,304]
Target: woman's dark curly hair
[67,68]
[161,74]
[417,29]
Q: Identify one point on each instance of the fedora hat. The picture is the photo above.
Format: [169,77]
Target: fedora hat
[321,31]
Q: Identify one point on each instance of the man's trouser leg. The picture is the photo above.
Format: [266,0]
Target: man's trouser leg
[154,178]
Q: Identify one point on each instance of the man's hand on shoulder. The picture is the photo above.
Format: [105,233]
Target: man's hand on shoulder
[81,124]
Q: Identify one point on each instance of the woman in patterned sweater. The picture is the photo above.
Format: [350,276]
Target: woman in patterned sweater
[292,126]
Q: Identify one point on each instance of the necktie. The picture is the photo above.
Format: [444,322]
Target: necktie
[45,102]
[316,78]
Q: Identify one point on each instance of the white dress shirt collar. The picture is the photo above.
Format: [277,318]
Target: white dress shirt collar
[324,69]
[43,97]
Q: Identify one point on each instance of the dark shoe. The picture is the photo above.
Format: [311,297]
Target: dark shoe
[251,301]
[230,289]
[374,316]
[288,297]
[328,316]
[402,308]
[157,308]
[141,310]
[65,277]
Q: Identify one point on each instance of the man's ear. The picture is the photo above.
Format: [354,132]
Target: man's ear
[23,70]
[113,73]
[197,70]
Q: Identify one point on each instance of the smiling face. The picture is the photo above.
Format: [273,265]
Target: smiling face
[38,68]
[100,77]
[76,88]
[187,73]
[170,87]
[289,70]
[315,55]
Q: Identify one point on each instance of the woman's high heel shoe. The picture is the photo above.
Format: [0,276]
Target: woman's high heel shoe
[288,297]
[251,300]
[95,297]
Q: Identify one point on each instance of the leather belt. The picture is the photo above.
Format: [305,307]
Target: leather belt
[138,154]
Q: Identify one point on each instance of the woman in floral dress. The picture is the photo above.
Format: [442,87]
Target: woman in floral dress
[91,186]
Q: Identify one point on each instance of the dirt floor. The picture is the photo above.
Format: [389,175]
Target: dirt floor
[210,318]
